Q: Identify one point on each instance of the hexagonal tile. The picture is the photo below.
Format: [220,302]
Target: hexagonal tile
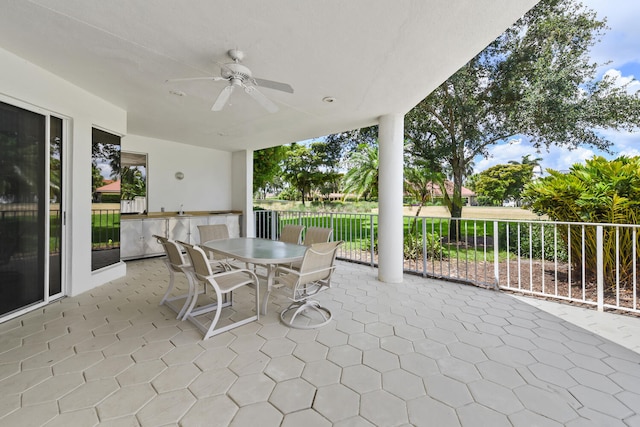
[215,358]
[495,396]
[183,354]
[361,378]
[321,373]
[108,368]
[175,377]
[403,384]
[125,401]
[249,363]
[336,402]
[383,408]
[278,347]
[166,408]
[284,368]
[247,343]
[52,389]
[214,411]
[154,350]
[142,372]
[425,411]
[88,395]
[249,389]
[310,351]
[345,355]
[292,395]
[213,382]
[380,360]
[448,391]
[263,411]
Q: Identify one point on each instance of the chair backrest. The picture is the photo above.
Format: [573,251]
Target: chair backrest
[291,233]
[199,261]
[213,232]
[318,260]
[317,235]
[173,252]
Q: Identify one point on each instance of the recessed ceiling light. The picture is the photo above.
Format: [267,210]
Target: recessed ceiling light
[177,92]
[329,99]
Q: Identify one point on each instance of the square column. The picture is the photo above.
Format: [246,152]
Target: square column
[242,189]
[390,191]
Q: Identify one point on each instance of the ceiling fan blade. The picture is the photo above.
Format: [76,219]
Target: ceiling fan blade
[270,84]
[186,79]
[261,99]
[222,98]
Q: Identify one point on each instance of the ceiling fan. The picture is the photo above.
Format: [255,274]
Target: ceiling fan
[237,75]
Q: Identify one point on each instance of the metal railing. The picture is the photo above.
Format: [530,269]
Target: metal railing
[592,264]
[105,228]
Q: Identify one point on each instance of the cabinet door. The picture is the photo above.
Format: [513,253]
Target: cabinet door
[131,239]
[178,229]
[151,227]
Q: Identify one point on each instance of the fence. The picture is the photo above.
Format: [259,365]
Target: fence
[593,264]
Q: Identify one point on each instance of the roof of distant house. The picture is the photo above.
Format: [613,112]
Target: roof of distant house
[449,186]
[112,187]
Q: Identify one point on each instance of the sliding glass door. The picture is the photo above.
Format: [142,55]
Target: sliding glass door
[31,226]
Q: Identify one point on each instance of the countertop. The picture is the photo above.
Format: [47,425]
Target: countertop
[187,214]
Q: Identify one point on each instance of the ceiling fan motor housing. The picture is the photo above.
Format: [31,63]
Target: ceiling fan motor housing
[236,71]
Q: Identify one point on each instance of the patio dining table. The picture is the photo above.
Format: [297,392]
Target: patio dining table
[269,253]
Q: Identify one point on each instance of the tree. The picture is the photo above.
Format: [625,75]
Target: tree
[362,173]
[266,166]
[599,191]
[132,183]
[536,80]
[503,182]
[300,169]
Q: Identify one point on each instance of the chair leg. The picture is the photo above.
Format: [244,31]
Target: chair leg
[170,287]
[211,332]
[300,307]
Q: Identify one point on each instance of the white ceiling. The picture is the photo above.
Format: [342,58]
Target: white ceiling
[374,57]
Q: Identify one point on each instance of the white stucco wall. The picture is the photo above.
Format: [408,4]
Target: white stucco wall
[206,185]
[28,86]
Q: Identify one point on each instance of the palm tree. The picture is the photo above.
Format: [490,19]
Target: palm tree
[362,174]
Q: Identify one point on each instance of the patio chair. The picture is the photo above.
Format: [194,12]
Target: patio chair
[175,262]
[301,285]
[291,233]
[312,236]
[223,284]
[317,235]
[215,232]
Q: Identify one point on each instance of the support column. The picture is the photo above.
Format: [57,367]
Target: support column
[242,190]
[390,191]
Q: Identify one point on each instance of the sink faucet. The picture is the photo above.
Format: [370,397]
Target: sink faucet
[181,211]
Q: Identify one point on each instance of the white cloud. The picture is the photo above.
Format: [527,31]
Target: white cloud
[630,80]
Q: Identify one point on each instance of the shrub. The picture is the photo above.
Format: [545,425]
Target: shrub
[530,244]
[599,191]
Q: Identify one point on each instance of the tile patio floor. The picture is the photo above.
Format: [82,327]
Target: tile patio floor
[425,352]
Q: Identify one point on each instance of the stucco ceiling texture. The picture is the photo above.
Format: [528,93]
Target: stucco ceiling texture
[373,57]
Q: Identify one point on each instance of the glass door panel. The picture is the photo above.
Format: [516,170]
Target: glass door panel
[55,206]
[22,208]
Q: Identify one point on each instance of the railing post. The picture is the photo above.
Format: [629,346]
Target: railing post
[424,247]
[600,266]
[496,257]
[373,251]
[274,227]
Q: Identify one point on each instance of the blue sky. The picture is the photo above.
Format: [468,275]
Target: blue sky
[619,49]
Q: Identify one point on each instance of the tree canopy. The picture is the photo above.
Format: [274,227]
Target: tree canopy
[536,80]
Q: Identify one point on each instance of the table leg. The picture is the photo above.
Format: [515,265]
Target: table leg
[265,299]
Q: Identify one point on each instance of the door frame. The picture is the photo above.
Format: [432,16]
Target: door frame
[64,203]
